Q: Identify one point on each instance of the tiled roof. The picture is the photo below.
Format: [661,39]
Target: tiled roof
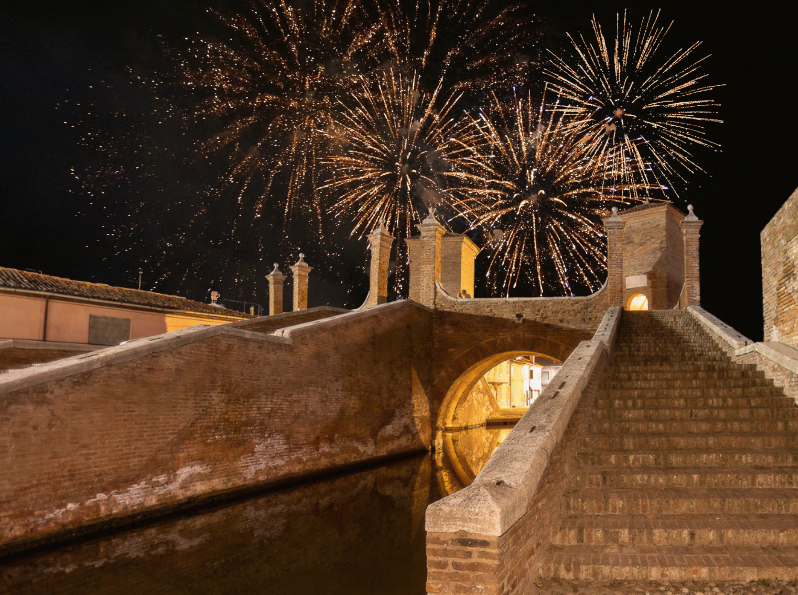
[25,280]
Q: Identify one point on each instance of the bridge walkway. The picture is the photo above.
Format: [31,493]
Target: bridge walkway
[689,469]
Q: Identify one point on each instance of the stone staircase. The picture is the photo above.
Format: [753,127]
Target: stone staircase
[689,467]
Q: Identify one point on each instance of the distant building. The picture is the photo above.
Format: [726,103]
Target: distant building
[45,318]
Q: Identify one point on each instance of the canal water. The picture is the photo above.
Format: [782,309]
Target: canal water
[355,533]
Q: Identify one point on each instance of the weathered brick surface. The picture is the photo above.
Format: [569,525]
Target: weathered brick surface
[212,416]
[780,274]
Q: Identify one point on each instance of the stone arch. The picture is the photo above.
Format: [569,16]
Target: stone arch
[460,375]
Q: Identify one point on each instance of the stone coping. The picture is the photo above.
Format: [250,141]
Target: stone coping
[345,319]
[287,315]
[719,328]
[500,494]
[442,293]
[48,345]
[782,354]
[130,350]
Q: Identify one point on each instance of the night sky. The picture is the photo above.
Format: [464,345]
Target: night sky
[54,55]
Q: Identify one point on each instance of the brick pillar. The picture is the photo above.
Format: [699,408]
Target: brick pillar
[300,271]
[691,226]
[615,226]
[276,279]
[425,261]
[457,264]
[380,242]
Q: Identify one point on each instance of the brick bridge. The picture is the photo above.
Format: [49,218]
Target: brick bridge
[167,421]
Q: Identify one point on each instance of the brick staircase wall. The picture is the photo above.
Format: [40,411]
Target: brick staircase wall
[688,470]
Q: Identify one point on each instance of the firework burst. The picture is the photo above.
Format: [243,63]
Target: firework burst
[472,45]
[623,97]
[540,194]
[269,90]
[394,153]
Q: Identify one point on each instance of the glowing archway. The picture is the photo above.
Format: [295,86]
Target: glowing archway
[637,302]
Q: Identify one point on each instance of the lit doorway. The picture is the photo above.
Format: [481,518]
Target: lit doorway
[637,302]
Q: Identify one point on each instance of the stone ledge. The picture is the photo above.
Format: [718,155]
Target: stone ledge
[608,329]
[719,328]
[500,494]
[130,350]
[378,311]
[243,324]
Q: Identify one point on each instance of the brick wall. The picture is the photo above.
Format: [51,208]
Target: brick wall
[223,413]
[507,565]
[780,274]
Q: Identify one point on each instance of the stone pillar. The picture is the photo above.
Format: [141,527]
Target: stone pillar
[691,226]
[300,271]
[425,261]
[380,242]
[614,226]
[276,279]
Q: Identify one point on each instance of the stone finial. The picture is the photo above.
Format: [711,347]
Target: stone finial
[431,217]
[615,213]
[276,270]
[691,216]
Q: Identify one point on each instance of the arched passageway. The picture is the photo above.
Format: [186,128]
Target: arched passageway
[506,381]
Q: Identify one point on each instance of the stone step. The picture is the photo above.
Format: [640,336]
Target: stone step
[678,369]
[659,359]
[709,413]
[612,375]
[681,501]
[684,382]
[689,441]
[692,458]
[679,531]
[695,426]
[745,402]
[706,391]
[646,478]
[637,563]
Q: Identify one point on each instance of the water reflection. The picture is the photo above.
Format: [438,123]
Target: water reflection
[362,532]
[463,453]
